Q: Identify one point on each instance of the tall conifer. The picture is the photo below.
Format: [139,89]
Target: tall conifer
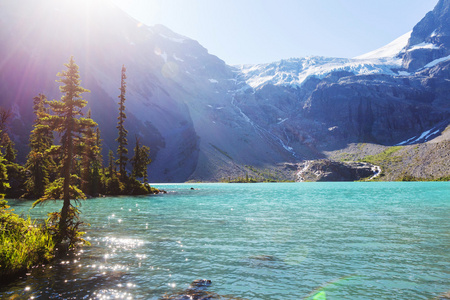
[39,161]
[140,160]
[68,122]
[88,147]
[122,150]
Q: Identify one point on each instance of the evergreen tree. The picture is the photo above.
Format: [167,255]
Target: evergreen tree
[96,178]
[39,163]
[88,148]
[122,151]
[4,185]
[140,160]
[10,151]
[113,185]
[5,115]
[67,120]
[111,168]
[15,173]
[145,154]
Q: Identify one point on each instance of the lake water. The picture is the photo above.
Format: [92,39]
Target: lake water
[257,241]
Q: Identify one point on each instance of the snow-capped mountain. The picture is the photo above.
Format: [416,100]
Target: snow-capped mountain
[293,72]
[391,50]
[205,120]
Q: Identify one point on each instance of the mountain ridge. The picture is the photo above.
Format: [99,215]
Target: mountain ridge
[206,120]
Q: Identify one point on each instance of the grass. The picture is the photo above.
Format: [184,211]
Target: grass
[387,156]
[23,243]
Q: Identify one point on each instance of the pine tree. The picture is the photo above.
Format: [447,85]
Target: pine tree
[140,160]
[5,115]
[88,148]
[4,185]
[122,151]
[145,154]
[39,163]
[113,185]
[111,168]
[67,120]
[15,172]
[136,160]
[96,177]
[10,151]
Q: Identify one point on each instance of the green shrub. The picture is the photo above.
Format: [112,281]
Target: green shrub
[24,243]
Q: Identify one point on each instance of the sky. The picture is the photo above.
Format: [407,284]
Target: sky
[263,31]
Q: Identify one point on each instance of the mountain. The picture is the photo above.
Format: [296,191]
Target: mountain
[206,120]
[327,103]
[430,39]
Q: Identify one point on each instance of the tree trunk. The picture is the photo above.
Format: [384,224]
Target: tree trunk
[66,188]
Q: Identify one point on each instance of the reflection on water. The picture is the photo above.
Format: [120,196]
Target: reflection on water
[256,241]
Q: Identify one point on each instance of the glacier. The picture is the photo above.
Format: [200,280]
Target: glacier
[295,71]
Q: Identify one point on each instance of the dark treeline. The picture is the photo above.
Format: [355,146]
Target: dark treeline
[65,160]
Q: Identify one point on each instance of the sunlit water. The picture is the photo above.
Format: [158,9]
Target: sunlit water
[257,241]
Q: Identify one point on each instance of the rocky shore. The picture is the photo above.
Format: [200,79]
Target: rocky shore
[328,170]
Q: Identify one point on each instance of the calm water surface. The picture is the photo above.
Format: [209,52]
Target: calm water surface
[257,241]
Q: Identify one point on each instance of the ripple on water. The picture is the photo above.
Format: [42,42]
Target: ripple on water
[282,241]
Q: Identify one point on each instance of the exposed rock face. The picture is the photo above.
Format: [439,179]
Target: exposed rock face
[327,170]
[430,39]
[377,108]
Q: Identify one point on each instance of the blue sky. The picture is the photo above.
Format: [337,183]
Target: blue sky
[260,31]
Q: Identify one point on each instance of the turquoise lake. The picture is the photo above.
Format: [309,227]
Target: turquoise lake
[257,241]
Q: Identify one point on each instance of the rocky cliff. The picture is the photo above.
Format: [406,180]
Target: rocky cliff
[430,38]
[205,120]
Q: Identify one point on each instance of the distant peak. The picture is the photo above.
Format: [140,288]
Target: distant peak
[390,50]
[430,38]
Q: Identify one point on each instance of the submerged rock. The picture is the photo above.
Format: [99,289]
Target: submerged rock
[265,261]
[196,291]
[264,258]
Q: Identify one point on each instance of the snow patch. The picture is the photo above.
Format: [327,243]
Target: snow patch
[404,73]
[282,120]
[176,40]
[332,128]
[213,81]
[437,61]
[176,57]
[423,46]
[424,137]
